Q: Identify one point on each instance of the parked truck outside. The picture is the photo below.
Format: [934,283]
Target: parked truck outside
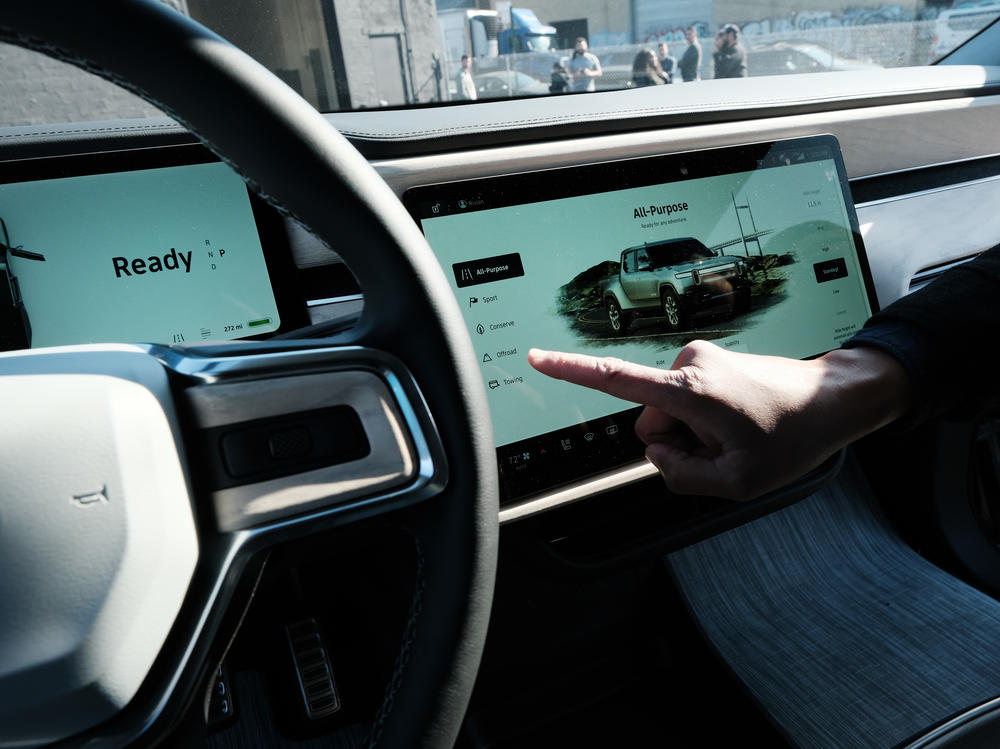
[469,32]
[513,42]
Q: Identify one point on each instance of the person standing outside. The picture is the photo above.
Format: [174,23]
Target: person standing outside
[730,56]
[667,63]
[646,70]
[466,87]
[584,67]
[560,78]
[689,65]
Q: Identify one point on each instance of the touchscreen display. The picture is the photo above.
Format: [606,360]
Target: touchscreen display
[753,248]
[168,255]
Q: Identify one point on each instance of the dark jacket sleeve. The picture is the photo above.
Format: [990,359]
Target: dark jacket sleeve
[946,337]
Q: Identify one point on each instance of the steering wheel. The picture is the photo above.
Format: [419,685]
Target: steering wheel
[104,551]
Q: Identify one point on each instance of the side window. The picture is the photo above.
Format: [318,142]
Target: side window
[628,262]
[642,260]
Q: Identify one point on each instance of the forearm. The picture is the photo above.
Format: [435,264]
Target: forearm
[770,420]
[859,390]
[944,336]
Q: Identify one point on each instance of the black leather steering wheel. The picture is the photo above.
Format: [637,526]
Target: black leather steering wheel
[290,155]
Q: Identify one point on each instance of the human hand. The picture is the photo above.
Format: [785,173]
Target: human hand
[738,425]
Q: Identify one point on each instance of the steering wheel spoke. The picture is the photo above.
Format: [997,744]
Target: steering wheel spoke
[300,438]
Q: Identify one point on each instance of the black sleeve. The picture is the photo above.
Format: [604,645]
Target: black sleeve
[946,336]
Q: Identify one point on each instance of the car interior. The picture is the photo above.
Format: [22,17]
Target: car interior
[275,471]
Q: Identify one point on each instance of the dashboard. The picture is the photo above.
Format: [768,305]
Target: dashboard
[755,247]
[558,220]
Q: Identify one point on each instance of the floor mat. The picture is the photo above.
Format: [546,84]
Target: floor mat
[843,634]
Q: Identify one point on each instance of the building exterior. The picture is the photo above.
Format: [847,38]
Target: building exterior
[602,22]
[607,22]
[337,54]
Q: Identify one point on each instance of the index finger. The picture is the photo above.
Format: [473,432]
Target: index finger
[622,379]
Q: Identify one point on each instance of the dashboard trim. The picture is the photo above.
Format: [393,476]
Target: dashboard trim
[633,472]
[964,722]
[874,140]
[929,191]
[378,133]
[335,300]
[953,162]
[923,277]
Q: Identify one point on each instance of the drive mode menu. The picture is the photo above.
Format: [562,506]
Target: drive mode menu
[160,255]
[761,261]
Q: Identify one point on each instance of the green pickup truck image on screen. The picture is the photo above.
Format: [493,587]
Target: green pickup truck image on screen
[674,279]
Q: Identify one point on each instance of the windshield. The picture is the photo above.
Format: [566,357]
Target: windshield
[362,54]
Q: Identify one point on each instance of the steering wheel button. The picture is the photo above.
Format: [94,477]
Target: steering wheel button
[289,443]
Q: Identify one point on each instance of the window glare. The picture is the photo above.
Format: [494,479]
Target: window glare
[360,54]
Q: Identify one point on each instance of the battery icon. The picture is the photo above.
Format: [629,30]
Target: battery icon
[258,323]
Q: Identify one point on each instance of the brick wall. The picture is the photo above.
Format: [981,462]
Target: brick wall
[35,89]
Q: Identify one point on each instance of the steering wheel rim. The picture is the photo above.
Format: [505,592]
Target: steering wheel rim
[293,158]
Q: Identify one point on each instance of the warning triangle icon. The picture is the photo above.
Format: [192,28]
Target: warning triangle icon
[487,358]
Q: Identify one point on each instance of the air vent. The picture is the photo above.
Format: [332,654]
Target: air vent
[925,275]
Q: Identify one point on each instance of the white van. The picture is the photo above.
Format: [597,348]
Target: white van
[958,24]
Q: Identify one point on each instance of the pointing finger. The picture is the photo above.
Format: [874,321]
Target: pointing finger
[631,382]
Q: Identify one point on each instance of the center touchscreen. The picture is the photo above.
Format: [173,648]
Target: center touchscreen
[754,248]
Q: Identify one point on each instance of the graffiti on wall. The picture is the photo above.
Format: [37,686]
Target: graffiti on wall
[809,20]
[674,33]
[802,21]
